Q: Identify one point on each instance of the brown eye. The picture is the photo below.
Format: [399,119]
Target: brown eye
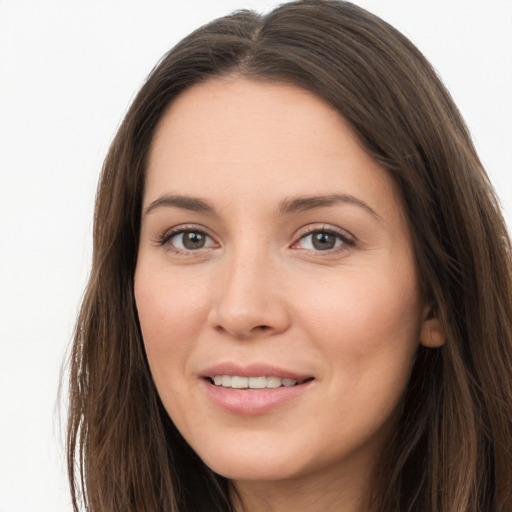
[193,240]
[323,241]
[188,240]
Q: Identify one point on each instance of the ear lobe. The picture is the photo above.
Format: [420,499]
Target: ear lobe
[432,333]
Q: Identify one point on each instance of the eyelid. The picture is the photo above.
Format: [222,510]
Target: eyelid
[347,238]
[165,238]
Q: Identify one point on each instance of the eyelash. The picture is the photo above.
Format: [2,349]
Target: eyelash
[342,236]
[169,235]
[346,240]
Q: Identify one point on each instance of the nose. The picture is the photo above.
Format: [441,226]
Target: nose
[250,300]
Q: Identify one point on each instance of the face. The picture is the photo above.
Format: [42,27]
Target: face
[275,284]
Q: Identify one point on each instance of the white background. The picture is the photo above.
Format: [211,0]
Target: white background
[68,70]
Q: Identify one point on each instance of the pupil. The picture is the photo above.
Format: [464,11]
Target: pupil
[323,241]
[193,240]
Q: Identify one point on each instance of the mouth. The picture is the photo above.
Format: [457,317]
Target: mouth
[254,389]
[254,394]
[254,383]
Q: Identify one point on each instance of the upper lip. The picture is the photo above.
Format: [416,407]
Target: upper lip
[252,370]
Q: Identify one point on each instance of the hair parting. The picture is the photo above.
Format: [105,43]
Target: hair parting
[452,449]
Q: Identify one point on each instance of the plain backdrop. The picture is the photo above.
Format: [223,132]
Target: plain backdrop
[68,70]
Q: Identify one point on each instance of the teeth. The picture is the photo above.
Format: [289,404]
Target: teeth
[257,382]
[273,382]
[236,382]
[239,382]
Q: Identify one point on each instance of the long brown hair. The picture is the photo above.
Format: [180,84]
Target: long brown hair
[452,450]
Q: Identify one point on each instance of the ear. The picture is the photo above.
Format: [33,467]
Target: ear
[432,333]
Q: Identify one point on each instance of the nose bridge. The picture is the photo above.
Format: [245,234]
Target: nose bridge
[248,299]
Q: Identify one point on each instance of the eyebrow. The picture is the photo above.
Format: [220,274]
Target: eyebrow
[292,205]
[305,203]
[177,201]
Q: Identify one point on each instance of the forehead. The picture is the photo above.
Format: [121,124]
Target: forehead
[269,138]
[225,110]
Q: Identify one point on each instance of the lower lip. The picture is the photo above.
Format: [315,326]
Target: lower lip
[251,402]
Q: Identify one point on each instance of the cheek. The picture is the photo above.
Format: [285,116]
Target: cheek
[367,330]
[369,323]
[171,313]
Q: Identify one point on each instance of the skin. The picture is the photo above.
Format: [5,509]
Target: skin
[259,290]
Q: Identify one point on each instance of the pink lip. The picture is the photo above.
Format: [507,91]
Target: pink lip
[252,370]
[252,402]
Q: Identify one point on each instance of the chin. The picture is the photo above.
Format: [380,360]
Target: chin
[244,470]
[263,462]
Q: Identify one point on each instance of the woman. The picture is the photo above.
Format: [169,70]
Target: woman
[301,292]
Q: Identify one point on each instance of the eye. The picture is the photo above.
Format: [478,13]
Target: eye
[323,240]
[187,240]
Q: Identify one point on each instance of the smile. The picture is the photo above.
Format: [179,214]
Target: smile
[237,395]
[237,382]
